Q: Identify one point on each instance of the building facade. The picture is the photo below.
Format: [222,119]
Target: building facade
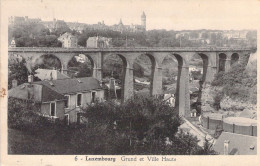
[68,40]
[61,99]
[98,42]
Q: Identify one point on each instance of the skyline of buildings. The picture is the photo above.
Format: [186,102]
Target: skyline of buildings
[79,27]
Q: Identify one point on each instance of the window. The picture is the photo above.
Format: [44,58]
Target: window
[79,99]
[67,101]
[93,97]
[53,109]
[67,119]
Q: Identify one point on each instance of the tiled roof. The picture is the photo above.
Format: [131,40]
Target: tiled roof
[242,144]
[66,35]
[20,92]
[72,85]
[50,95]
[40,94]
[240,121]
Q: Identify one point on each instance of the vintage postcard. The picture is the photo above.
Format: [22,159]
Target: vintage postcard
[128,82]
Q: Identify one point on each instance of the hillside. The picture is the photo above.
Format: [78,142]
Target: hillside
[234,91]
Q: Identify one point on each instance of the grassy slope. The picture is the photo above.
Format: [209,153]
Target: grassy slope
[20,142]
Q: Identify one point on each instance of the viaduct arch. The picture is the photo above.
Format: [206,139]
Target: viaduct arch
[214,60]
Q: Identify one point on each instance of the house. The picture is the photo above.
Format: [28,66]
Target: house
[13,43]
[63,99]
[235,144]
[98,42]
[68,40]
[170,98]
[47,74]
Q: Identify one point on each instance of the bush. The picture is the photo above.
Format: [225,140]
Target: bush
[217,99]
[24,115]
[237,84]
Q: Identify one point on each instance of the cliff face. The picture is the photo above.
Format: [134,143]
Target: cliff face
[227,105]
[233,93]
[207,98]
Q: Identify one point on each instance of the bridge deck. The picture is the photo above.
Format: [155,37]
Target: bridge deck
[129,49]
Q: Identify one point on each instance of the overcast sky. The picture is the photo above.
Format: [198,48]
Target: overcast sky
[161,14]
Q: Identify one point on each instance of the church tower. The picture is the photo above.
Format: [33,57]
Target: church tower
[143,21]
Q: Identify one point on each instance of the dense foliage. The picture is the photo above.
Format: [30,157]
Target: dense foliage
[36,35]
[17,70]
[33,35]
[140,126]
[237,83]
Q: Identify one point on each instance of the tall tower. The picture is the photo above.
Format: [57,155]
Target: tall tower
[143,21]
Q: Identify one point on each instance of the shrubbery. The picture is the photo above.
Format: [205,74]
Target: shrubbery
[237,83]
[24,115]
[143,125]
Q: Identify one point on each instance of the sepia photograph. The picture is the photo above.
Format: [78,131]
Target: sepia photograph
[129,78]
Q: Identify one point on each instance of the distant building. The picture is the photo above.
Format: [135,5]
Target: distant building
[98,42]
[13,44]
[120,27]
[78,27]
[16,20]
[47,74]
[114,90]
[131,28]
[235,34]
[68,40]
[235,144]
[21,20]
[81,58]
[60,99]
[55,24]
[170,98]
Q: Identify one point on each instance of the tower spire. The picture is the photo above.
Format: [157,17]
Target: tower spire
[143,20]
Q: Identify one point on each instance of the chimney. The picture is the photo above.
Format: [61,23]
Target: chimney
[101,83]
[30,78]
[14,83]
[226,147]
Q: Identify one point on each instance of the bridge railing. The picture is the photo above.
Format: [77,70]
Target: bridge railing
[50,49]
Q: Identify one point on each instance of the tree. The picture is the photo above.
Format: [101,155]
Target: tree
[17,70]
[142,125]
[207,149]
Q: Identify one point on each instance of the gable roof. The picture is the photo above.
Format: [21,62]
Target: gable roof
[37,94]
[50,95]
[66,35]
[72,85]
[238,142]
[20,92]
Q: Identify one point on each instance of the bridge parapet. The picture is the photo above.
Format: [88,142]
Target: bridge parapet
[129,49]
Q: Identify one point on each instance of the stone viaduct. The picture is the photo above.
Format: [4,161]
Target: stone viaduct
[214,60]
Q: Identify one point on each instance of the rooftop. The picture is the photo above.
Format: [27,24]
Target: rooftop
[240,121]
[72,85]
[34,93]
[242,144]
